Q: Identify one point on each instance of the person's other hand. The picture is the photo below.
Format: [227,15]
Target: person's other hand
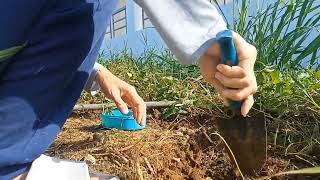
[122,94]
[232,83]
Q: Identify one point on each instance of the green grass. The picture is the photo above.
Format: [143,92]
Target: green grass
[288,92]
[286,34]
[280,32]
[158,77]
[287,37]
[292,105]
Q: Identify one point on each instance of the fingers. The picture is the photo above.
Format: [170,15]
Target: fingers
[122,94]
[121,105]
[141,111]
[238,94]
[247,53]
[137,104]
[247,105]
[135,113]
[232,71]
[131,97]
[232,82]
[239,42]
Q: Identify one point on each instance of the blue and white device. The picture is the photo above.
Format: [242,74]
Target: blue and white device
[116,120]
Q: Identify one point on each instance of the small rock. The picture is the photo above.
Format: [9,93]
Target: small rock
[178,160]
[90,159]
[98,137]
[182,129]
[195,175]
[90,138]
[191,132]
[179,134]
[187,137]
[124,159]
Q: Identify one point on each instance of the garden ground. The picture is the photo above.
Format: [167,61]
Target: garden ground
[178,143]
[180,148]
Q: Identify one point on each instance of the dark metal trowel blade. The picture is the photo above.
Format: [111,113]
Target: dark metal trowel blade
[247,138]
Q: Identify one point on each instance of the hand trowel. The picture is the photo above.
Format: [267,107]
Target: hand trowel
[246,136]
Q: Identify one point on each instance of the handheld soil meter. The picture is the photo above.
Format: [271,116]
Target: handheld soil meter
[116,120]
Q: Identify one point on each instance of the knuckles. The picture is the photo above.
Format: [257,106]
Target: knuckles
[239,96]
[131,89]
[246,82]
[254,89]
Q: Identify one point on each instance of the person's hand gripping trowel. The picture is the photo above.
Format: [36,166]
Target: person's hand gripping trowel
[245,134]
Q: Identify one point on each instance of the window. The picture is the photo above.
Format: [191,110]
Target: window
[108,34]
[146,23]
[118,24]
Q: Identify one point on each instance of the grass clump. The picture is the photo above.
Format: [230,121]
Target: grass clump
[286,35]
[158,77]
[287,38]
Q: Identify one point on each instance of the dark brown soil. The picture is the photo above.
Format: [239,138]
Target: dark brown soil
[175,149]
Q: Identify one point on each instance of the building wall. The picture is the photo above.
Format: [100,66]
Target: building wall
[137,39]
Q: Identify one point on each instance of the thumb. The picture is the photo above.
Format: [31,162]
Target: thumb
[247,53]
[121,105]
[247,105]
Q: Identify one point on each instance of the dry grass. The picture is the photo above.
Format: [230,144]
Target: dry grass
[176,149]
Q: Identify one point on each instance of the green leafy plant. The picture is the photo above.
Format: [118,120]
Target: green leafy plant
[286,35]
[7,53]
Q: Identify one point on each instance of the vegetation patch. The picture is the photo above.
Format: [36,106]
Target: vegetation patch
[178,143]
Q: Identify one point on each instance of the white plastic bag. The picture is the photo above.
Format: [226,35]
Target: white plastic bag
[50,168]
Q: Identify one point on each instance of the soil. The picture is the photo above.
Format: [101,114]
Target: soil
[180,148]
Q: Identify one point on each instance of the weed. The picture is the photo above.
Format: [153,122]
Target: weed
[288,73]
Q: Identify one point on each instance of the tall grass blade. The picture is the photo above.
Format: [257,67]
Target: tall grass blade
[314,170]
[310,49]
[7,53]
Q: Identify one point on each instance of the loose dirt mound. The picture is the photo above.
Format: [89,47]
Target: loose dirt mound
[180,149]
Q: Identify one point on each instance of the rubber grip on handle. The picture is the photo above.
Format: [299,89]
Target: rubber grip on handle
[229,57]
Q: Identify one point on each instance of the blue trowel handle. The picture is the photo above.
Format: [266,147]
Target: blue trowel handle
[229,57]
